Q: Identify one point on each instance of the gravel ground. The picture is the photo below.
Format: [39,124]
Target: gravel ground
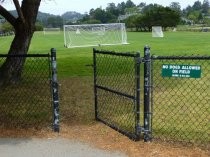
[55,147]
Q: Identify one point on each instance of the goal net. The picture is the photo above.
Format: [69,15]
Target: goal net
[94,35]
[51,31]
[157,31]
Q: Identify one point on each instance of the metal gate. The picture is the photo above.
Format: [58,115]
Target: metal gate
[117,87]
[117,84]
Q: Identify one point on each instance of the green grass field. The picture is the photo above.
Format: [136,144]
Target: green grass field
[74,61]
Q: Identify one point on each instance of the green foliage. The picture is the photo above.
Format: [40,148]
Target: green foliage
[71,16]
[129,4]
[198,12]
[93,21]
[194,16]
[54,22]
[48,20]
[7,27]
[38,26]
[111,13]
[141,17]
[197,5]
[175,6]
[205,6]
[131,22]
[155,15]
[111,8]
[206,21]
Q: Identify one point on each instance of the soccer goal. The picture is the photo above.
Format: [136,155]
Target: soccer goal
[157,31]
[51,31]
[94,35]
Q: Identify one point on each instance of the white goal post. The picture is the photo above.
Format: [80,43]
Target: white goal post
[94,35]
[157,31]
[51,31]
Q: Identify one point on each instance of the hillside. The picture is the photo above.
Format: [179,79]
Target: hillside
[72,16]
[69,16]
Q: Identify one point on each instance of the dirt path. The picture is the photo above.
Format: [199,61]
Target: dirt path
[103,137]
[51,147]
[87,140]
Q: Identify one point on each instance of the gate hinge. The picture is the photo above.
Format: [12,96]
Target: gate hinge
[140,129]
[138,60]
[145,60]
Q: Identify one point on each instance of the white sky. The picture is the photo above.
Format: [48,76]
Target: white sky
[59,7]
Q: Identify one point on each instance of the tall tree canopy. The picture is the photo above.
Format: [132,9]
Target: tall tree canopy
[24,26]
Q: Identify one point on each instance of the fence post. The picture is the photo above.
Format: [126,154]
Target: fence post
[147,77]
[95,89]
[55,91]
[138,62]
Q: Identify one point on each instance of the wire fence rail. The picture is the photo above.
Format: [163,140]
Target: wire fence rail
[27,101]
[154,97]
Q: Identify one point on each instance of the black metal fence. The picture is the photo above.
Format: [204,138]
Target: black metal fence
[175,97]
[181,99]
[116,84]
[26,93]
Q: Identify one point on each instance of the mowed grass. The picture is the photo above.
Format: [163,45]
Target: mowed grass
[74,63]
[77,61]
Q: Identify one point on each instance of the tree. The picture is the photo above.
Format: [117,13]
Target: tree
[38,26]
[195,16]
[156,15]
[121,7]
[55,21]
[24,26]
[176,6]
[205,6]
[129,4]
[131,22]
[197,5]
[111,8]
[101,15]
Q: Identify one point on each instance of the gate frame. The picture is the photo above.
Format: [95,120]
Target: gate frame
[135,136]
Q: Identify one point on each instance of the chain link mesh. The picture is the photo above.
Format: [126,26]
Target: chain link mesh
[181,106]
[26,102]
[116,91]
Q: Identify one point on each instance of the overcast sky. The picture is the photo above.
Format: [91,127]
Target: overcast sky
[58,7]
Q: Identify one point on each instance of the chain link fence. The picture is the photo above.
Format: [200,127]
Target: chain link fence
[181,103]
[175,102]
[25,101]
[115,82]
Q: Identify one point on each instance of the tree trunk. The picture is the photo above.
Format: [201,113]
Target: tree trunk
[24,25]
[11,70]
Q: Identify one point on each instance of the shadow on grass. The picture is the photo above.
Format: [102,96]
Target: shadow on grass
[77,101]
